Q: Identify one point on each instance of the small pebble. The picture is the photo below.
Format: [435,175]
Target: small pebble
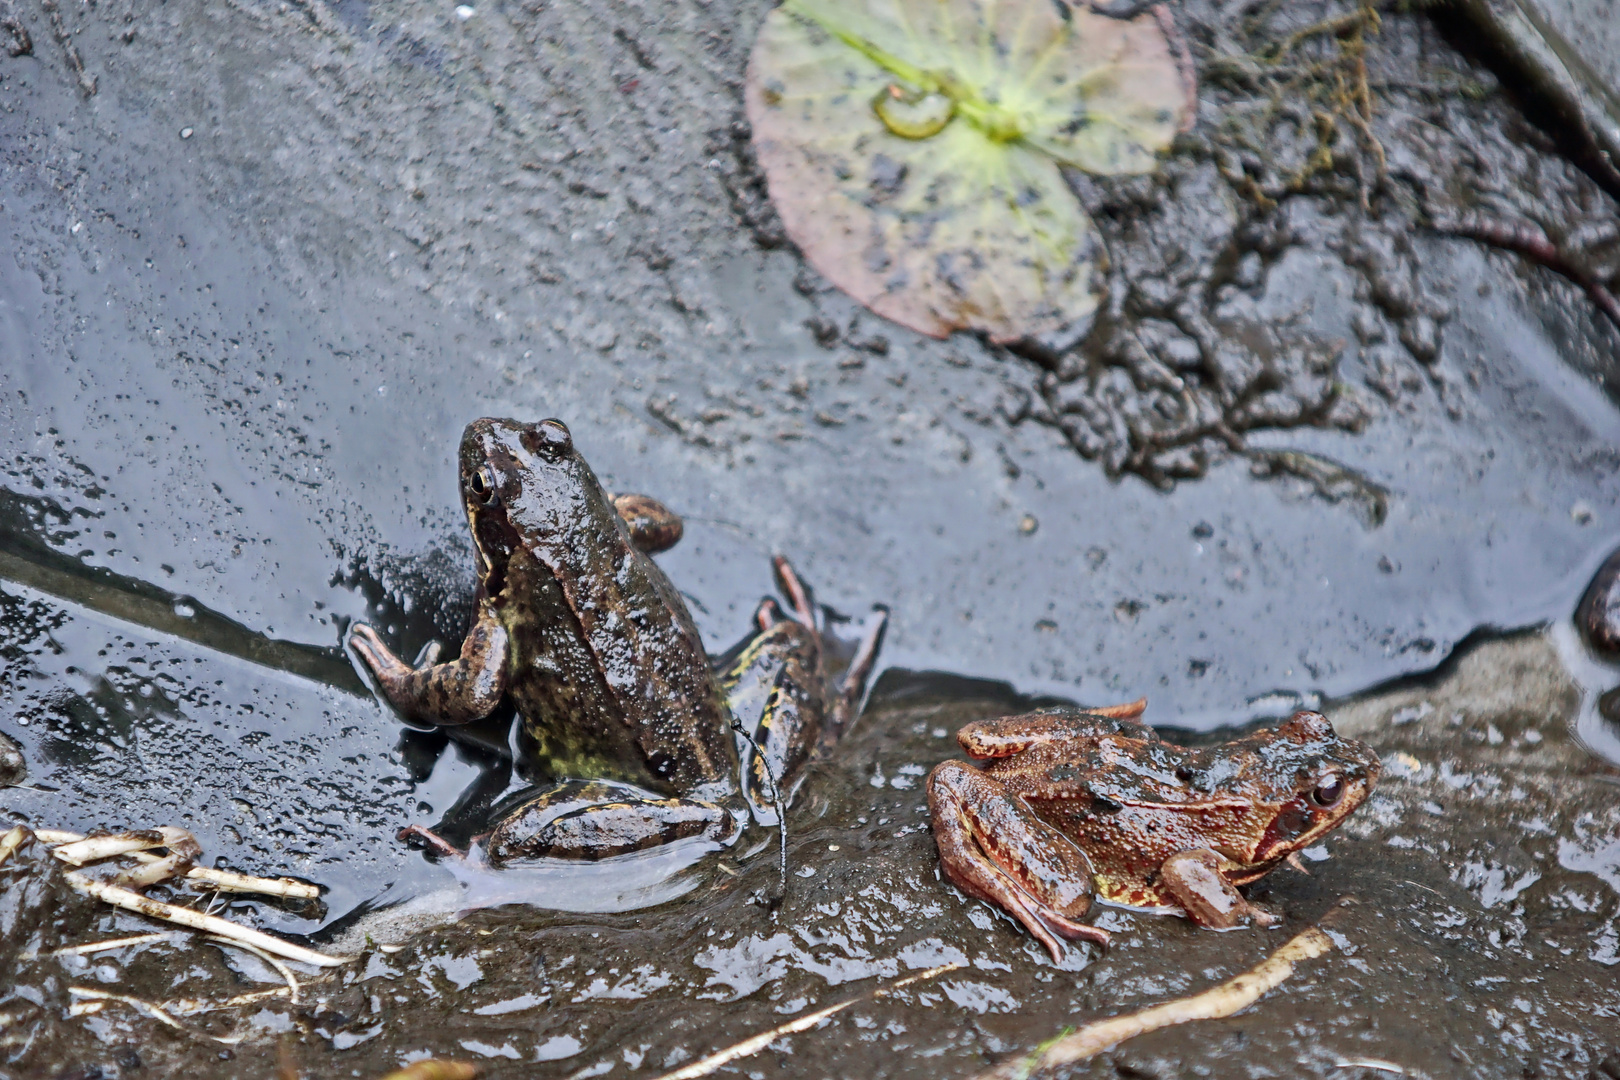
[185,133]
[1028,524]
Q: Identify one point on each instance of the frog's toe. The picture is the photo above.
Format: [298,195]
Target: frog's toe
[430,839]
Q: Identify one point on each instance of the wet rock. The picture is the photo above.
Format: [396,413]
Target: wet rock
[1598,615]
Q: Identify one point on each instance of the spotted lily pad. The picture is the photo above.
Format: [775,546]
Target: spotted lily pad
[913,147]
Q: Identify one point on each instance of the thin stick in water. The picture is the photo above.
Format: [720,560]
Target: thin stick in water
[754,1044]
[196,920]
[1232,996]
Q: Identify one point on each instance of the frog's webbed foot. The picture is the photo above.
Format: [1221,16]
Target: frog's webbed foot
[596,819]
[458,692]
[993,848]
[653,526]
[432,840]
[1197,880]
[852,689]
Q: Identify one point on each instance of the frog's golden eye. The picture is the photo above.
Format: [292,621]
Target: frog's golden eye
[1329,791]
[483,485]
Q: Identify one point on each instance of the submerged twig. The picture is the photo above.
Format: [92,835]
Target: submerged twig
[1232,996]
[281,969]
[213,924]
[112,943]
[756,1043]
[156,1012]
[87,82]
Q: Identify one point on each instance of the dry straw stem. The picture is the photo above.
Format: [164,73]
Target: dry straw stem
[281,969]
[1229,997]
[223,880]
[197,920]
[756,1043]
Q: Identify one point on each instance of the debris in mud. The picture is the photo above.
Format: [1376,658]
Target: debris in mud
[754,1044]
[914,152]
[1328,480]
[21,44]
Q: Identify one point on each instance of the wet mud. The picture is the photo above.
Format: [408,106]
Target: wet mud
[264,261]
[1485,872]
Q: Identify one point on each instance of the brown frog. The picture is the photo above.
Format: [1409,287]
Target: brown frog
[1080,804]
[645,741]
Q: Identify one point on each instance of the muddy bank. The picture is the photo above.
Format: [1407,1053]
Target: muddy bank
[1486,871]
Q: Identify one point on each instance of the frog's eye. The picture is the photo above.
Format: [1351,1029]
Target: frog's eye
[548,438]
[1329,791]
[483,485]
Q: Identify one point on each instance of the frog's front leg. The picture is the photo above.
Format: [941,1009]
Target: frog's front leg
[1197,880]
[595,819]
[653,526]
[994,848]
[464,690]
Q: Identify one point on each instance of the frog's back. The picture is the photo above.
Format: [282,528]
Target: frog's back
[610,676]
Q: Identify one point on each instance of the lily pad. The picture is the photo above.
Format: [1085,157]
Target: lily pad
[913,149]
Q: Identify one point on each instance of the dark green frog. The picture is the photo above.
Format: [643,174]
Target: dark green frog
[646,739]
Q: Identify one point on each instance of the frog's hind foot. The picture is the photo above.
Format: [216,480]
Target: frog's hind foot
[431,840]
[798,594]
[852,688]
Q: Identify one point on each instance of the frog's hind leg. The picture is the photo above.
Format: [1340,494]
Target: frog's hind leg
[598,819]
[993,848]
[776,696]
[851,688]
[1009,735]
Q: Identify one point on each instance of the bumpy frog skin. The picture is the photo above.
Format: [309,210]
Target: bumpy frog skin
[646,741]
[1076,804]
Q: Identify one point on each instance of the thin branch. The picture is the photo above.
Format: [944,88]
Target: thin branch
[1229,997]
[156,1012]
[282,969]
[114,943]
[196,920]
[754,1044]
